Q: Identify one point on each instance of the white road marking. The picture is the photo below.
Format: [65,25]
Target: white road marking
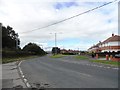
[100,66]
[116,68]
[23,76]
[28,85]
[19,64]
[24,79]
[107,67]
[94,65]
[90,65]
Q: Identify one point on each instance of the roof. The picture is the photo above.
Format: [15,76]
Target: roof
[112,39]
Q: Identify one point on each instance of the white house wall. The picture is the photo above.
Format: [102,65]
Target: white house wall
[113,43]
[110,44]
[111,50]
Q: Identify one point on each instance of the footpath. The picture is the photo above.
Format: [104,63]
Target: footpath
[11,77]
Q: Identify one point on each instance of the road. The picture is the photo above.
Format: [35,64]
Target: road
[66,72]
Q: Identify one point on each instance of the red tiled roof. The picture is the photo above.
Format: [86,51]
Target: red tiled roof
[112,39]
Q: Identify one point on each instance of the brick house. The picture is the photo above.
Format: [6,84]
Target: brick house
[63,51]
[112,44]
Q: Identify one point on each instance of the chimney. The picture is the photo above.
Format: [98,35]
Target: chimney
[112,34]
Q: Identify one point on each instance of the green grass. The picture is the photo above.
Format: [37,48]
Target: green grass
[8,60]
[57,56]
[82,57]
[107,62]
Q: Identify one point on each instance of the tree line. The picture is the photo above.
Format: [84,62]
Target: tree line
[11,44]
[9,38]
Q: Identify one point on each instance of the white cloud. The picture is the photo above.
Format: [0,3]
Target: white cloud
[26,15]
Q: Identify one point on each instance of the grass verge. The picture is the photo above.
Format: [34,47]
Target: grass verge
[7,60]
[57,56]
[82,57]
[107,62]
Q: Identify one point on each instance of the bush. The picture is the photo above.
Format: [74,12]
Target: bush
[34,49]
[13,54]
[68,53]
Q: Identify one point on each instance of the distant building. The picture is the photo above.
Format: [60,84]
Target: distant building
[64,51]
[112,44]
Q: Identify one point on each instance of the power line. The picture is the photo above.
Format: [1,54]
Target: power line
[71,17]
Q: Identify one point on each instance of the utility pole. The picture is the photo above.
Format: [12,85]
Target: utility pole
[55,39]
[55,42]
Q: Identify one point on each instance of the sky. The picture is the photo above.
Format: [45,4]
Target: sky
[77,33]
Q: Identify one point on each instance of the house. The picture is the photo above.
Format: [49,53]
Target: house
[112,44]
[64,51]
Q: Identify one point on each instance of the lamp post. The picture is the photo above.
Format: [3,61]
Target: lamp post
[55,41]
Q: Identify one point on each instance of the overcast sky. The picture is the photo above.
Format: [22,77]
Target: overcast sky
[80,32]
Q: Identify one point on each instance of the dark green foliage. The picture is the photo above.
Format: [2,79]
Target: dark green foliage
[9,38]
[68,53]
[11,49]
[14,54]
[34,49]
[55,50]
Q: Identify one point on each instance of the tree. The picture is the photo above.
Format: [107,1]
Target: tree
[55,50]
[9,38]
[33,48]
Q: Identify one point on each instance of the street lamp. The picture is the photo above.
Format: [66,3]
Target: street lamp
[56,41]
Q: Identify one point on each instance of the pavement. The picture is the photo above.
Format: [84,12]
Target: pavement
[66,72]
[11,77]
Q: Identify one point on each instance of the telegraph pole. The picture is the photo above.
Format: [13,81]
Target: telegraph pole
[55,42]
[55,39]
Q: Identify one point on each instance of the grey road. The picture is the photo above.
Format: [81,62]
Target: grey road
[67,72]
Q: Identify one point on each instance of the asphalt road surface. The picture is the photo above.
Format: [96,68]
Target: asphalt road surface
[67,72]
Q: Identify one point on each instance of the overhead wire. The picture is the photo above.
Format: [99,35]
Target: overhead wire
[70,17]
